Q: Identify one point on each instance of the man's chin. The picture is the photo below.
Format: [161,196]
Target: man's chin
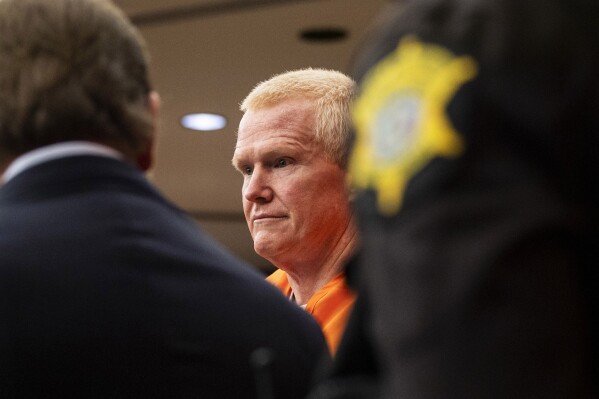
[267,249]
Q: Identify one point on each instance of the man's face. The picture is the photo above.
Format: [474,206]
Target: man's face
[295,201]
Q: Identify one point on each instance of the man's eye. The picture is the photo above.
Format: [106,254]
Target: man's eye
[281,163]
[247,170]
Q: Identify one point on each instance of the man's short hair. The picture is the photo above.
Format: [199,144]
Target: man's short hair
[71,70]
[333,93]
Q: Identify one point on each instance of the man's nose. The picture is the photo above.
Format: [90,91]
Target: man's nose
[257,187]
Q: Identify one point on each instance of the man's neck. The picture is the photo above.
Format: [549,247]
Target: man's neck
[3,167]
[305,280]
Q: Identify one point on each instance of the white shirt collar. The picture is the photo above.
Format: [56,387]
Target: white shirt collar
[55,151]
[292,299]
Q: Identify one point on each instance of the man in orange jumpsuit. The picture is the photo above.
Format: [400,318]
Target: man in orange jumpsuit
[292,150]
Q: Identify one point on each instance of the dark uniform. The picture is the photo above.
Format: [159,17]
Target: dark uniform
[476,145]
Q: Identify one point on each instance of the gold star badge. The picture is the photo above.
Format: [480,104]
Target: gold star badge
[400,118]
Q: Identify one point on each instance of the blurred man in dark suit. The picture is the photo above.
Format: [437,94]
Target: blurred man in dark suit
[106,289]
[476,151]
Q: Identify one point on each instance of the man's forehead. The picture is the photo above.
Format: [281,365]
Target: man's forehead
[284,111]
[285,121]
[274,141]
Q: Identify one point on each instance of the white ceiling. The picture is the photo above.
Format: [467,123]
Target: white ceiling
[206,56]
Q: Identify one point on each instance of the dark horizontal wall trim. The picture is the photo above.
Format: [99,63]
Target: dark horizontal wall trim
[215,216]
[203,10]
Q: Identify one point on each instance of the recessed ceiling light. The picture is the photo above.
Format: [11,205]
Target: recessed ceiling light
[323,34]
[204,121]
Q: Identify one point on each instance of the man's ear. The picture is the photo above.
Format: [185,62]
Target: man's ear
[350,187]
[146,157]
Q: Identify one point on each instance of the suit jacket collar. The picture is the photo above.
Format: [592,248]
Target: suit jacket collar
[55,151]
[75,174]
